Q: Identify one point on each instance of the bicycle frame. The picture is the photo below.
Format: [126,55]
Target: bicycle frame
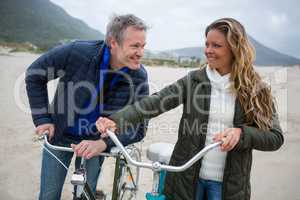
[80,183]
[78,180]
[158,168]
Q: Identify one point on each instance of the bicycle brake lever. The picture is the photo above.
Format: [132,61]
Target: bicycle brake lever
[37,138]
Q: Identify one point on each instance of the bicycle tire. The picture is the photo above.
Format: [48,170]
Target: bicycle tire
[87,193]
[129,177]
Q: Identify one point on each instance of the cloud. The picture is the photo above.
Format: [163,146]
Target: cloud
[278,21]
[180,23]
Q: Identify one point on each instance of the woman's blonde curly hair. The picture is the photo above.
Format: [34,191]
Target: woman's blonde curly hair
[253,94]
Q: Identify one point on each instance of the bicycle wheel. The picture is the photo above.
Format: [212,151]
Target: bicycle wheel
[129,176]
[85,194]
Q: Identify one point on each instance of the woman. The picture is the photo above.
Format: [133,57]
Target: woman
[227,100]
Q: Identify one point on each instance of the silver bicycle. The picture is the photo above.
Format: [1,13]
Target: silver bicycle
[160,155]
[126,176]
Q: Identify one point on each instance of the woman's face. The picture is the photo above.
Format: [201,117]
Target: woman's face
[218,52]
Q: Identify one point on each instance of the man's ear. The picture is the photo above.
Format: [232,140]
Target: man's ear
[112,43]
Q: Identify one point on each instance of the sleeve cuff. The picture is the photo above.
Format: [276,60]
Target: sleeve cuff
[41,121]
[109,144]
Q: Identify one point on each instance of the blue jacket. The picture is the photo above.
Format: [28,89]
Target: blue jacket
[76,64]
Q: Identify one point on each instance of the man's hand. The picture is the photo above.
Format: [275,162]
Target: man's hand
[89,148]
[103,124]
[49,128]
[230,137]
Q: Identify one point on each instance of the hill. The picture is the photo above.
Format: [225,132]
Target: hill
[265,56]
[41,23]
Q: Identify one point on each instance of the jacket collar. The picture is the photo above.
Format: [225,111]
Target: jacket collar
[200,75]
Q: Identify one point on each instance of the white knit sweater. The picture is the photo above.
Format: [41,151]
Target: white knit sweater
[220,117]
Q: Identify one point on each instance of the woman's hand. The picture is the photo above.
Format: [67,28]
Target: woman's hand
[89,148]
[230,137]
[103,124]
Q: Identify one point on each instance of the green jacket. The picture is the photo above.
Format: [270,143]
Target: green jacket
[193,91]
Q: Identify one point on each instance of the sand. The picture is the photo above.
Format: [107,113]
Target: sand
[274,175]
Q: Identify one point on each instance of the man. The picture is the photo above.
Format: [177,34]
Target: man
[97,78]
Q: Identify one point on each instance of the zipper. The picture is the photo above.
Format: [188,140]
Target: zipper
[225,174]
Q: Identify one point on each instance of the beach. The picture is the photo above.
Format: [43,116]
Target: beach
[274,175]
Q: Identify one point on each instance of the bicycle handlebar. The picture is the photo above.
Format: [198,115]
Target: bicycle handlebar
[54,147]
[68,149]
[157,166]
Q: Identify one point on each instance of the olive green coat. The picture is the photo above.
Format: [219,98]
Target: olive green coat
[193,91]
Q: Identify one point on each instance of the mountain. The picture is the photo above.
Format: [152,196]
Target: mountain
[264,56]
[268,56]
[41,23]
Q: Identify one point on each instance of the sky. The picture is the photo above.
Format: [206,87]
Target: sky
[181,23]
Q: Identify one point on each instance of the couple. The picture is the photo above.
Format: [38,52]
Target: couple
[226,100]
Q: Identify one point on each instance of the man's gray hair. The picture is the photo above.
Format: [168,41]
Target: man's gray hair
[119,23]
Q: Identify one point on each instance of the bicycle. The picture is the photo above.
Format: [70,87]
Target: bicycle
[159,165]
[125,184]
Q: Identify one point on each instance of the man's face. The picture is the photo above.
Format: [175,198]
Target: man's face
[131,50]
